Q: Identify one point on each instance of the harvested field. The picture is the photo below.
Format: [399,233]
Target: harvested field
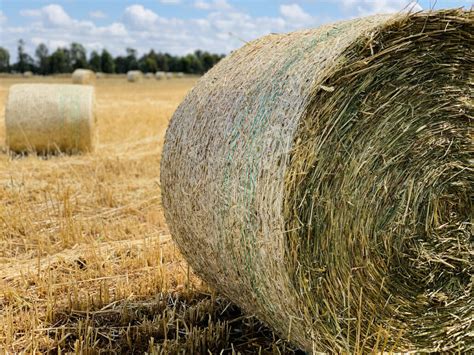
[86,261]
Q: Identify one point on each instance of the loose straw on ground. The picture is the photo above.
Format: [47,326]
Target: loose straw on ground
[50,118]
[323,181]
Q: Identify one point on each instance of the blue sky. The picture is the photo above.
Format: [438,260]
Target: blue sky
[177,26]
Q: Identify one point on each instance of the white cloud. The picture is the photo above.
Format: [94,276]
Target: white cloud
[3,18]
[30,12]
[97,14]
[170,2]
[212,5]
[370,7]
[137,16]
[295,13]
[56,15]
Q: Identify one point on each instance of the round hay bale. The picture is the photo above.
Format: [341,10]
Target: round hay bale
[48,118]
[160,75]
[27,74]
[169,75]
[83,77]
[149,75]
[134,76]
[322,180]
[180,75]
[100,75]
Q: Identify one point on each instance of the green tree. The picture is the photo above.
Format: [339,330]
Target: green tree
[4,60]
[95,62]
[25,62]
[77,56]
[107,62]
[131,59]
[147,62]
[42,54]
[59,61]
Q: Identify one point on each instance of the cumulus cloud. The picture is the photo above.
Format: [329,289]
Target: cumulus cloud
[212,5]
[137,16]
[97,14]
[3,18]
[295,13]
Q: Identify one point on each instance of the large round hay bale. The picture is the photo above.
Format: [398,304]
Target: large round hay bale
[83,77]
[160,75]
[48,118]
[322,180]
[134,76]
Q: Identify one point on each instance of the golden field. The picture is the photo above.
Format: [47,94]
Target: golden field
[86,261]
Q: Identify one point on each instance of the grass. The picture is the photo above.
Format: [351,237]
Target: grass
[86,260]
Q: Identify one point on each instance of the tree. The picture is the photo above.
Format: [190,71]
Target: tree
[95,62]
[59,61]
[107,62]
[77,56]
[41,54]
[147,62]
[25,62]
[4,60]
[131,59]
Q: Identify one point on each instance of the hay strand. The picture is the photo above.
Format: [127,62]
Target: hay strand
[48,118]
[323,181]
[83,77]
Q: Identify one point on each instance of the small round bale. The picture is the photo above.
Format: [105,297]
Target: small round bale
[149,76]
[49,118]
[134,76]
[160,75]
[323,181]
[27,74]
[169,75]
[180,75]
[83,77]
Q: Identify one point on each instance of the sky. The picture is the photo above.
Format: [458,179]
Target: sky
[178,26]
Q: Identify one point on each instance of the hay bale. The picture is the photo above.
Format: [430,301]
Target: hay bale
[134,76]
[160,75]
[169,75]
[47,118]
[83,77]
[149,76]
[180,75]
[322,179]
[100,75]
[27,74]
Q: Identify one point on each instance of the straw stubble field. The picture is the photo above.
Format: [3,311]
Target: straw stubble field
[86,260]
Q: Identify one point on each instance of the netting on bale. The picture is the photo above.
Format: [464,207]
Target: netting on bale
[51,118]
[323,180]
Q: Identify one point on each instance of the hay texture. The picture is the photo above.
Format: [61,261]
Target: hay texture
[49,118]
[160,75]
[83,77]
[134,76]
[323,181]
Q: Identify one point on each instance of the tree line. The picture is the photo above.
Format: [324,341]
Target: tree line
[67,59]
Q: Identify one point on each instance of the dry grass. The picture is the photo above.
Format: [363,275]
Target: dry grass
[86,261]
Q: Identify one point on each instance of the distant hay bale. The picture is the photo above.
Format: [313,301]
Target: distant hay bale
[100,75]
[169,75]
[47,118]
[27,74]
[134,76]
[160,75]
[149,75]
[83,77]
[322,180]
[180,75]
